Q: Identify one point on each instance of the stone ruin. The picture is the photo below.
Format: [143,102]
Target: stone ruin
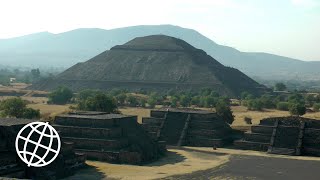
[185,127]
[11,166]
[283,135]
[113,138]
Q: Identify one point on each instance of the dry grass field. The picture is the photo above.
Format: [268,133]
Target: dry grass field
[46,110]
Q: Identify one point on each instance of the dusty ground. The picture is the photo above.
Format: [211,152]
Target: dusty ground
[205,163]
[177,162]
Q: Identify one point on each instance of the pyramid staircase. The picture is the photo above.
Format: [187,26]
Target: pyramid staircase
[187,128]
[283,135]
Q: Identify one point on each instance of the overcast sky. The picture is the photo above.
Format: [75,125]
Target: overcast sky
[284,27]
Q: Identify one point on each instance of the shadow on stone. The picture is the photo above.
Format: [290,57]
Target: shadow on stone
[169,158]
[88,173]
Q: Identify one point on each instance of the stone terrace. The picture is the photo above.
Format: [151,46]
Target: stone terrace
[284,135]
[10,165]
[185,127]
[113,138]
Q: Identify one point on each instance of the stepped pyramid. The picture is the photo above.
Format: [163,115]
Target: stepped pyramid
[114,138]
[284,135]
[154,62]
[181,127]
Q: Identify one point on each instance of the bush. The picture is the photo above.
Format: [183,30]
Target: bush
[16,107]
[280,87]
[132,101]
[99,102]
[224,111]
[185,101]
[297,109]
[13,107]
[30,113]
[152,102]
[255,105]
[283,106]
[316,107]
[248,120]
[62,95]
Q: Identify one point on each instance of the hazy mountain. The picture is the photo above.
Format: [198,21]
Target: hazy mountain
[66,49]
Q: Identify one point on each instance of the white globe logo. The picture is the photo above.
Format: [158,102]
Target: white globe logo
[38,144]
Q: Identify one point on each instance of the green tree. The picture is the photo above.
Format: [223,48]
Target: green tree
[30,113]
[280,87]
[16,107]
[267,101]
[99,102]
[316,107]
[13,107]
[174,102]
[255,105]
[185,100]
[224,110]
[283,106]
[62,95]
[297,109]
[152,101]
[121,98]
[132,101]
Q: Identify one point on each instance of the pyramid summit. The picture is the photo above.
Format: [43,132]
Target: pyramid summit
[156,62]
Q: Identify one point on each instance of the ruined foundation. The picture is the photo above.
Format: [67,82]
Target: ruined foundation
[11,166]
[188,128]
[113,138]
[284,135]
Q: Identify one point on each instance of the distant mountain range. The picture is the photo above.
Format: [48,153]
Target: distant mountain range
[68,48]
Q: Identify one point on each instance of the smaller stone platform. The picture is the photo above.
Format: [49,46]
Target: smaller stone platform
[11,166]
[113,138]
[187,127]
[284,135]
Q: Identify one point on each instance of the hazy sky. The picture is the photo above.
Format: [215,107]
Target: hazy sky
[285,27]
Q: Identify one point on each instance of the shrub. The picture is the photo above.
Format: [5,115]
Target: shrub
[16,107]
[223,110]
[62,95]
[248,120]
[30,113]
[316,107]
[255,105]
[99,102]
[297,109]
[283,106]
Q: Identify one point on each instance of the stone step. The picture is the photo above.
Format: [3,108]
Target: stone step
[249,145]
[67,148]
[204,142]
[86,132]
[262,129]
[153,135]
[152,120]
[109,156]
[256,137]
[150,127]
[89,121]
[282,151]
[112,156]
[97,144]
[209,125]
[207,133]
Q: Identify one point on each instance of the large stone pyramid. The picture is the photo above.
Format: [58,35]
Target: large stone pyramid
[154,62]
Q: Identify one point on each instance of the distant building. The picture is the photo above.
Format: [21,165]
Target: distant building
[13,80]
